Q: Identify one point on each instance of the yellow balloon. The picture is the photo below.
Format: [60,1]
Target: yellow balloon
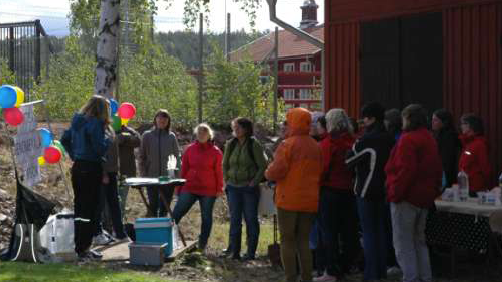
[41,160]
[124,121]
[20,96]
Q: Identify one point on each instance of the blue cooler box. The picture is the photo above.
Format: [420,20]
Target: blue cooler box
[155,231]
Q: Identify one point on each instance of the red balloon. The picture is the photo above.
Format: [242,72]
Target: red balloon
[13,116]
[52,154]
[127,111]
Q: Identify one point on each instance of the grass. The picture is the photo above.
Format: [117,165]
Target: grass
[20,272]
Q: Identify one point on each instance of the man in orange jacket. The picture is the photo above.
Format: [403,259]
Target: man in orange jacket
[297,169]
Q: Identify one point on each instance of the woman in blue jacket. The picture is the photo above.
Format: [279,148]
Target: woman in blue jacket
[87,141]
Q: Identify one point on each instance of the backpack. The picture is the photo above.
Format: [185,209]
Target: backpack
[25,246]
[57,236]
[249,146]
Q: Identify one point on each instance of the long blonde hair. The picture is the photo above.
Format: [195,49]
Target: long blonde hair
[97,107]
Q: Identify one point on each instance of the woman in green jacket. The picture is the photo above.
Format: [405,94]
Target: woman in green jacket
[244,163]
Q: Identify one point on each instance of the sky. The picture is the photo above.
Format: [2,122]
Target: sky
[53,14]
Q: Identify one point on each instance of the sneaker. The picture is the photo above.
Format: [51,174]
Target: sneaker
[95,254]
[89,257]
[101,240]
[394,271]
[122,240]
[247,257]
[325,278]
[226,253]
[236,257]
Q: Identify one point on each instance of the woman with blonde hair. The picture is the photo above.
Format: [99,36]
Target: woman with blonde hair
[87,141]
[157,145]
[337,203]
[202,169]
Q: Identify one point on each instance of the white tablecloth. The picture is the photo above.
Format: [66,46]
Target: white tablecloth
[470,207]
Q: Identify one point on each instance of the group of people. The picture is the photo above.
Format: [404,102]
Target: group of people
[332,179]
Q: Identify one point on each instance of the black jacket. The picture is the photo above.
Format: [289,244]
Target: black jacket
[369,156]
[449,148]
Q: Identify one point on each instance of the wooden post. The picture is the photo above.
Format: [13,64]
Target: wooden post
[227,39]
[201,66]
[276,76]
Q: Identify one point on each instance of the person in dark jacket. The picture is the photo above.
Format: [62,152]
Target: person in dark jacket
[87,141]
[337,204]
[202,169]
[448,143]
[127,139]
[369,156]
[474,158]
[393,123]
[414,173]
[157,145]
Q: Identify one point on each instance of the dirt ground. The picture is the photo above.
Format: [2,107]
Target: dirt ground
[210,267]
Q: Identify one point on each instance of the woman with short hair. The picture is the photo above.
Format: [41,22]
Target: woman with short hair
[202,169]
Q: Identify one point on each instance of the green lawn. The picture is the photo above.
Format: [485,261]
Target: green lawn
[29,272]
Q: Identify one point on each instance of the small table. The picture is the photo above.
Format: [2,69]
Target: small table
[141,182]
[462,225]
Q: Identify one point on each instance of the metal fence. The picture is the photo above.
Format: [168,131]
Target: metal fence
[26,48]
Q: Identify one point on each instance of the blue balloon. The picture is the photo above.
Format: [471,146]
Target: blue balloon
[8,96]
[114,105]
[46,137]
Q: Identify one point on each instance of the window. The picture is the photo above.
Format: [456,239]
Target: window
[288,106]
[315,106]
[304,105]
[305,67]
[289,67]
[289,94]
[305,94]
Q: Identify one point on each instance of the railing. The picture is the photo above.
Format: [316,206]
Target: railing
[25,46]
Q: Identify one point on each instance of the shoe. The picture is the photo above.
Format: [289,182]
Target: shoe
[236,257]
[247,257]
[394,271]
[101,240]
[88,257]
[95,254]
[325,278]
[122,240]
[226,253]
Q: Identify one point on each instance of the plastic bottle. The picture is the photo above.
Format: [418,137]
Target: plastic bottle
[463,186]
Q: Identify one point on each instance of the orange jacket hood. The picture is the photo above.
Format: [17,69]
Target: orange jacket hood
[298,120]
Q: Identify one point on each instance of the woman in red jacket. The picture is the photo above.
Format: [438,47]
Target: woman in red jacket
[414,172]
[202,169]
[337,203]
[474,157]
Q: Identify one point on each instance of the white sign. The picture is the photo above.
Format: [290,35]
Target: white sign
[28,147]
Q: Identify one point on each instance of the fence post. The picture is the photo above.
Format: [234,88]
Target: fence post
[37,51]
[11,49]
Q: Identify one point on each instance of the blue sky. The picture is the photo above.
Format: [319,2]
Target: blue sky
[53,14]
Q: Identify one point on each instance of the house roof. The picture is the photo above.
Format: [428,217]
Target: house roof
[290,45]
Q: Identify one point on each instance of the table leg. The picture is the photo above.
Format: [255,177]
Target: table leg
[168,208]
[145,201]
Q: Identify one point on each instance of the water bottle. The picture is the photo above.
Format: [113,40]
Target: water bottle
[463,186]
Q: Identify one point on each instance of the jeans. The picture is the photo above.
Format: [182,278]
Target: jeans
[244,201]
[294,228]
[109,195]
[86,178]
[408,226]
[183,205]
[373,219]
[157,208]
[338,223]
[123,193]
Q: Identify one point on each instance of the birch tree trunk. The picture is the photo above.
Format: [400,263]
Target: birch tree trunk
[106,69]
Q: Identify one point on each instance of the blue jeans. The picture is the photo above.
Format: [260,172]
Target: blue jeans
[244,201]
[373,215]
[185,202]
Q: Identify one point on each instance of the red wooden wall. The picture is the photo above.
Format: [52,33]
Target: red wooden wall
[473,69]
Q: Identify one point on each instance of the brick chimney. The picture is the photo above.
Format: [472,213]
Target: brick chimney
[309,14]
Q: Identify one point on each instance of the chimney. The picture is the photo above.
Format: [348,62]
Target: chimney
[309,14]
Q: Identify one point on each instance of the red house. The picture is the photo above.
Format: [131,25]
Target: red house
[299,74]
[439,53]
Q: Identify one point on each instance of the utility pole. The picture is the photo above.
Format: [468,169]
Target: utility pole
[201,64]
[276,76]
[227,39]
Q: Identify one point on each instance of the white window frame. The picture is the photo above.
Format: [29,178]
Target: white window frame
[287,93]
[303,65]
[289,67]
[304,105]
[303,95]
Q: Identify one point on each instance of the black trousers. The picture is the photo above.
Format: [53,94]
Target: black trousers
[157,207]
[109,198]
[86,180]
